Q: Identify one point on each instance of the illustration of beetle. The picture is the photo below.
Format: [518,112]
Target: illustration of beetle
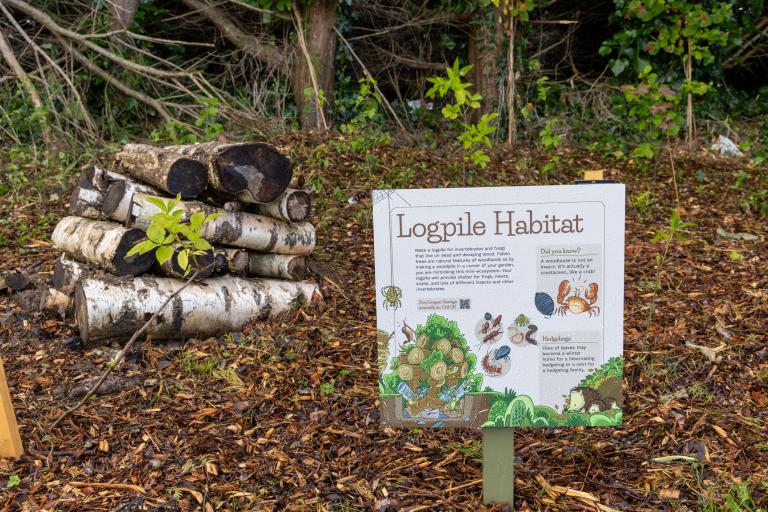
[575,303]
[392,296]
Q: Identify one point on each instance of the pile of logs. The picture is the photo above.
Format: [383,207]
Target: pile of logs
[260,242]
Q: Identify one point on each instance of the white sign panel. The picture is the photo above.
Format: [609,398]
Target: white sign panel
[500,306]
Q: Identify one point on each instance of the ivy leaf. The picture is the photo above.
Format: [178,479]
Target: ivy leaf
[618,66]
[164,253]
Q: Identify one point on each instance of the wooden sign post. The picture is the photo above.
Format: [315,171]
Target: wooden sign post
[10,440]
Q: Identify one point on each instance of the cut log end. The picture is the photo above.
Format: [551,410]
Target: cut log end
[113,198]
[232,181]
[187,177]
[257,159]
[298,206]
[132,265]
[297,268]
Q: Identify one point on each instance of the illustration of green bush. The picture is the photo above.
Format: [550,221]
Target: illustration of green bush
[438,358]
[614,367]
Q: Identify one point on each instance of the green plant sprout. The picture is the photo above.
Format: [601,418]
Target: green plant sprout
[168,233]
[673,234]
[464,101]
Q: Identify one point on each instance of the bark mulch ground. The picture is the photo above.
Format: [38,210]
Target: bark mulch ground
[285,415]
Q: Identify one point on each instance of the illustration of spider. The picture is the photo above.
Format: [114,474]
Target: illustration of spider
[392,296]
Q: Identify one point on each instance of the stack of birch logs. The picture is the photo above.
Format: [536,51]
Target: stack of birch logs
[260,242]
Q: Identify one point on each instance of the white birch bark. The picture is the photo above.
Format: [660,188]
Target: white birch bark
[104,244]
[163,168]
[107,310]
[239,229]
[292,205]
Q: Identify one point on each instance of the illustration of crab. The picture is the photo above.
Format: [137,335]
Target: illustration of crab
[575,303]
[392,296]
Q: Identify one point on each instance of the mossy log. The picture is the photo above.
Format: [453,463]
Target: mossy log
[104,244]
[163,168]
[255,173]
[108,309]
[239,229]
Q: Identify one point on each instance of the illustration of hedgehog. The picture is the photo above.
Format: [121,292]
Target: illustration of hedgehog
[585,399]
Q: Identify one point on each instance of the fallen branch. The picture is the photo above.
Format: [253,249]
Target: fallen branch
[120,356]
[106,485]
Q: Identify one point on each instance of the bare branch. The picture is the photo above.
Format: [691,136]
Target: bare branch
[7,52]
[48,22]
[266,53]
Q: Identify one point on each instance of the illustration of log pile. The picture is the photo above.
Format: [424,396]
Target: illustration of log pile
[260,242]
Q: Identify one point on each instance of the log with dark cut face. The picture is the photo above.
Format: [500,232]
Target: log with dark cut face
[255,173]
[163,168]
[103,244]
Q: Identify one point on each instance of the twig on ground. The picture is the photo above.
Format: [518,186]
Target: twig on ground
[125,349]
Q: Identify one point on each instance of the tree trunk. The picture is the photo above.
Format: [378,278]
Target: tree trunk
[486,47]
[320,39]
[239,229]
[292,205]
[164,169]
[281,266]
[103,244]
[511,86]
[122,12]
[257,172]
[115,310]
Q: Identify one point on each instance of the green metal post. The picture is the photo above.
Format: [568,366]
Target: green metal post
[499,466]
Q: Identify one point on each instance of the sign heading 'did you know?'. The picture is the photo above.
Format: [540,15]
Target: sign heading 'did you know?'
[500,307]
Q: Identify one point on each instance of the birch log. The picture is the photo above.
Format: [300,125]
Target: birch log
[292,205]
[202,262]
[163,168]
[87,202]
[281,266]
[256,173]
[103,244]
[118,198]
[106,310]
[231,260]
[239,229]
[67,272]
